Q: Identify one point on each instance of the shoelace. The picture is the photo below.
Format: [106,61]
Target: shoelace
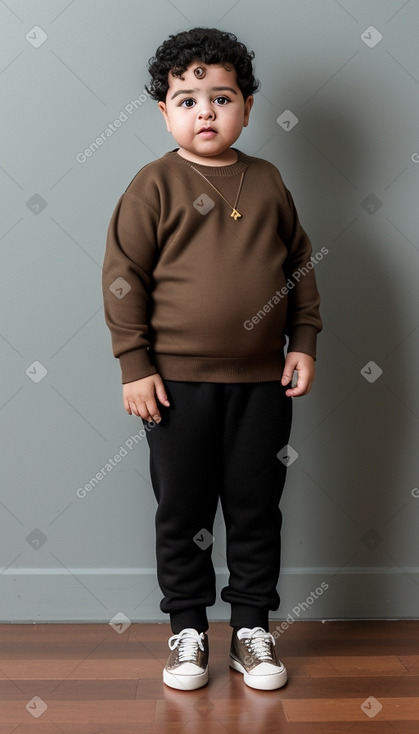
[258,640]
[187,641]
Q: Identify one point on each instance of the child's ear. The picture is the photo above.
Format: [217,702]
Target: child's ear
[163,110]
[248,104]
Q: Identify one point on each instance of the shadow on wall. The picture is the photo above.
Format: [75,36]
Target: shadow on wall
[360,443]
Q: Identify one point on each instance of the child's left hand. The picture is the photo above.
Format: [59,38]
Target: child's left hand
[305,366]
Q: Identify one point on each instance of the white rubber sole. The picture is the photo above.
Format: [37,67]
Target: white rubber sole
[261,682]
[185,682]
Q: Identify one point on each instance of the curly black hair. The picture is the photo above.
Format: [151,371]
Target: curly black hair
[209,45]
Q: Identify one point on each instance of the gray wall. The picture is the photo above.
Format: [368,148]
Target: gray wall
[351,504]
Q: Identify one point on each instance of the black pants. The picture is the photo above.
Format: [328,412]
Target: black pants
[219,440]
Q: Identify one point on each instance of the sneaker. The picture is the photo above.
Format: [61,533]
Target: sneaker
[187,665]
[252,653]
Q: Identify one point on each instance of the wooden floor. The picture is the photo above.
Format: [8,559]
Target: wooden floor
[88,678]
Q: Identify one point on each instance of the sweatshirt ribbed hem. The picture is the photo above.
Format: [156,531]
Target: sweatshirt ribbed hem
[265,368]
[140,363]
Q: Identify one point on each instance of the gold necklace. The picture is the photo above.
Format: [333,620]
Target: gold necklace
[235,214]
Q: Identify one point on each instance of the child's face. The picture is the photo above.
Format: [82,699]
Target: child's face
[205,112]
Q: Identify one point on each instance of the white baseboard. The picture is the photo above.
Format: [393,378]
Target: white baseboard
[85,595]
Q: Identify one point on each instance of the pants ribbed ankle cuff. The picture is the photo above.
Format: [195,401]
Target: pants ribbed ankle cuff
[245,616]
[195,618]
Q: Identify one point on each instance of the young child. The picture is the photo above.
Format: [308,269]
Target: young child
[207,270]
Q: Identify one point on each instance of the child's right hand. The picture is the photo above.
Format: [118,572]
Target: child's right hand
[140,397]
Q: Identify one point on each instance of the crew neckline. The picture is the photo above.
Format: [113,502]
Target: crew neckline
[231,169]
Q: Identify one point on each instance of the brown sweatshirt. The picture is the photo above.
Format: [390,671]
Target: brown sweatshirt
[195,295]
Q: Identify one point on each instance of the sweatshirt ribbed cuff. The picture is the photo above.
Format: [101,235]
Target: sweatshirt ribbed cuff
[135,365]
[303,339]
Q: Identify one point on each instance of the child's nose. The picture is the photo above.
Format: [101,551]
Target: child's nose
[206,113]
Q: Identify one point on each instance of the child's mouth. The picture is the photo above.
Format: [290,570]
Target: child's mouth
[207,132]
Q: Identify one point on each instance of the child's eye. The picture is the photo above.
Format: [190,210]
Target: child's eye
[222,100]
[189,102]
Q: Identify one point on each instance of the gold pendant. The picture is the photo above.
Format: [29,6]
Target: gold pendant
[235,214]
